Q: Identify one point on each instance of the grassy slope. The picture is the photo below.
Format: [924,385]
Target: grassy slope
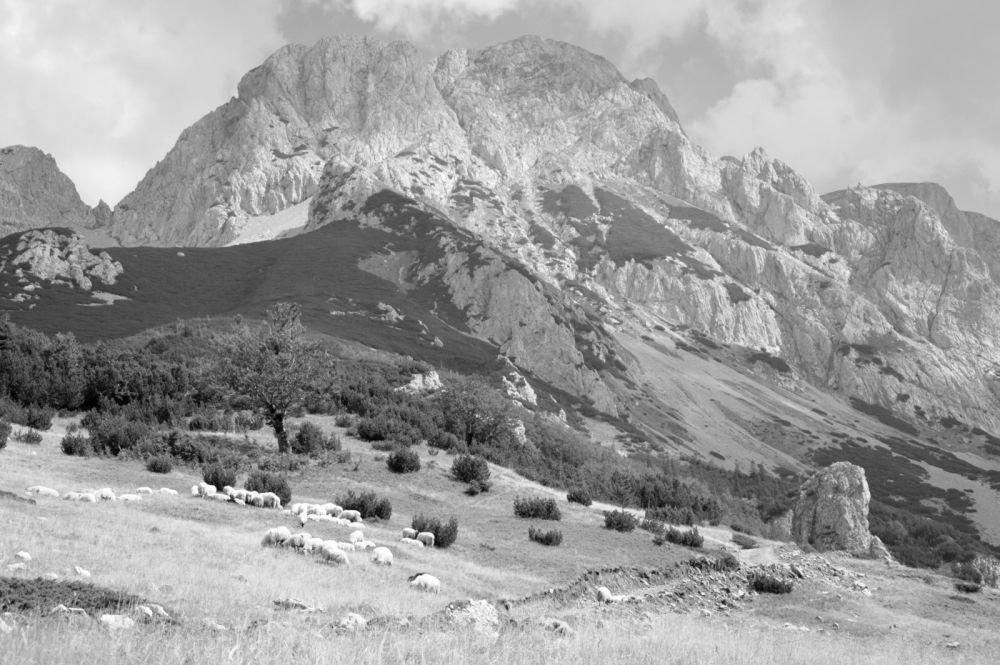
[203,560]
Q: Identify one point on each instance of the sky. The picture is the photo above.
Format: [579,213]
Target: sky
[845,91]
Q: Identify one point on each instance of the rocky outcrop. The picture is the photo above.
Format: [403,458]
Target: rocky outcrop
[831,512]
[34,193]
[58,257]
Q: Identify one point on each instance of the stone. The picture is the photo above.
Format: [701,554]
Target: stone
[604,595]
[831,512]
[81,571]
[479,615]
[62,257]
[557,626]
[352,623]
[117,621]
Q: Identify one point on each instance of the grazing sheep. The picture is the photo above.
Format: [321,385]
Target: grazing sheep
[144,490]
[347,547]
[425,582]
[295,508]
[604,595]
[313,544]
[276,536]
[356,536]
[206,490]
[314,509]
[228,490]
[106,494]
[411,542]
[41,490]
[427,538]
[221,497]
[168,491]
[351,515]
[239,502]
[256,501]
[332,509]
[298,540]
[303,519]
[195,491]
[365,545]
[382,556]
[88,497]
[333,555]
[410,533]
[271,500]
[340,521]
[239,494]
[72,496]
[129,497]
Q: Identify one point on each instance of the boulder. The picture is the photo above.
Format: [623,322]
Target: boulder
[831,512]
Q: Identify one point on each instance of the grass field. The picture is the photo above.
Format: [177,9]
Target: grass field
[203,561]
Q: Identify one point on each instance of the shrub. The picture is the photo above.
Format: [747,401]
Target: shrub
[444,533]
[208,422]
[763,582]
[309,439]
[369,504]
[967,572]
[719,561]
[552,537]
[220,476]
[652,526]
[111,434]
[29,436]
[739,528]
[75,444]
[245,421]
[403,460]
[39,417]
[4,433]
[373,429]
[744,541]
[968,587]
[343,420]
[444,440]
[536,507]
[468,468]
[620,520]
[475,487]
[686,537]
[265,481]
[579,495]
[160,464]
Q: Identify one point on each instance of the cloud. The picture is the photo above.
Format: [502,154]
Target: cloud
[417,18]
[107,86]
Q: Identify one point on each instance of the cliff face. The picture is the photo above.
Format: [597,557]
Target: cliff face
[34,193]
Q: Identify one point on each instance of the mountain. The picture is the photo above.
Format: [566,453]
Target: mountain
[526,208]
[34,193]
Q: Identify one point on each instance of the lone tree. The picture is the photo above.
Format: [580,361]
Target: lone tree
[476,413]
[273,366]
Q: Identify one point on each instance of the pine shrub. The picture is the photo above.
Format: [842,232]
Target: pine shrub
[744,541]
[403,460]
[159,464]
[76,444]
[28,436]
[763,582]
[537,508]
[369,504]
[468,468]
[39,417]
[220,476]
[552,537]
[445,533]
[309,440]
[620,520]
[266,481]
[4,433]
[579,495]
[686,537]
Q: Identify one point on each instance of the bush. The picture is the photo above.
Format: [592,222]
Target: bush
[29,436]
[373,429]
[403,460]
[967,572]
[536,507]
[968,587]
[579,495]
[39,417]
[444,533]
[247,421]
[551,537]
[265,481]
[111,434]
[686,537]
[220,476]
[4,433]
[309,439]
[739,528]
[160,464]
[620,520]
[475,487]
[444,440]
[763,582]
[744,541]
[343,420]
[75,444]
[469,468]
[369,504]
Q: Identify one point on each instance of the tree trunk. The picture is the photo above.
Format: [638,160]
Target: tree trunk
[278,423]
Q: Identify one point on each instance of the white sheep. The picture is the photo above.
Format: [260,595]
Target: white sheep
[356,536]
[365,545]
[88,497]
[314,509]
[256,501]
[427,538]
[425,582]
[228,490]
[206,489]
[144,490]
[221,497]
[411,542]
[106,494]
[333,555]
[313,544]
[195,491]
[129,497]
[239,495]
[340,521]
[41,490]
[410,533]
[347,547]
[239,502]
[271,500]
[298,540]
[72,496]
[351,515]
[332,509]
[382,556]
[295,508]
[168,491]
[276,536]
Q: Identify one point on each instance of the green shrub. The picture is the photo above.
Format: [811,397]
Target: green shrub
[29,436]
[537,508]
[403,460]
[343,420]
[248,421]
[445,441]
[579,495]
[763,582]
[112,434]
[309,440]
[744,541]
[373,429]
[468,468]
[39,417]
[968,587]
[445,533]
[739,528]
[266,481]
[220,476]
[209,421]
[476,488]
[620,520]
[686,537]
[552,537]
[4,433]
[159,464]
[369,504]
[76,444]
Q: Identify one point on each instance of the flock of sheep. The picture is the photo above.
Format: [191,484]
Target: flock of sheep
[240,497]
[97,495]
[331,551]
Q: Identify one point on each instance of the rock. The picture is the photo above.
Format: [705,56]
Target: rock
[352,623]
[23,556]
[117,621]
[480,615]
[81,572]
[831,512]
[61,257]
[50,577]
[423,383]
[557,626]
[952,645]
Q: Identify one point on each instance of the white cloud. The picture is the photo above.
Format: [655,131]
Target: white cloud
[106,86]
[416,18]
